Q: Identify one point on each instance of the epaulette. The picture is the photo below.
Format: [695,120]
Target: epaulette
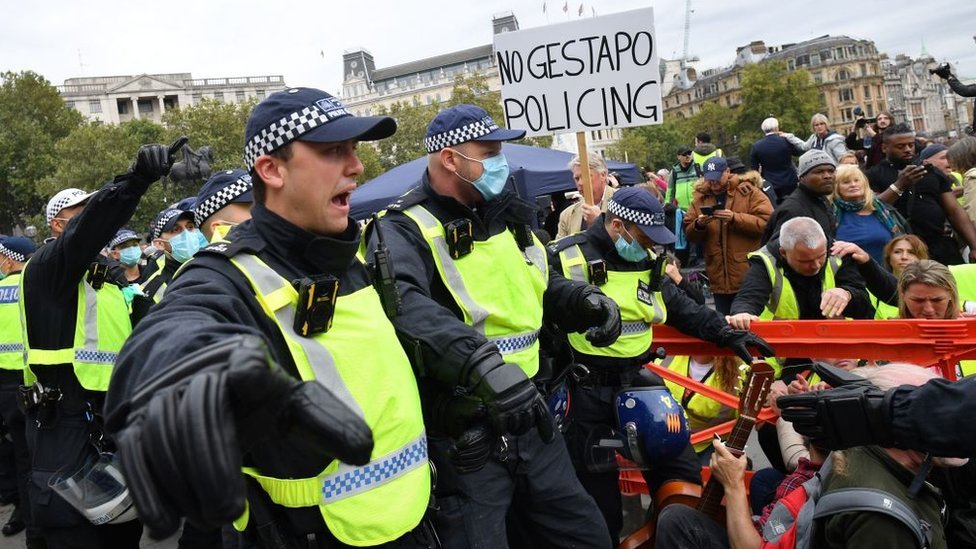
[410,198]
[557,246]
[226,248]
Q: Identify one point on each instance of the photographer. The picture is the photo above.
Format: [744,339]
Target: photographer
[870,141]
[944,71]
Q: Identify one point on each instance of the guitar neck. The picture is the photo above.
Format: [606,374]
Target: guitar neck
[711,499]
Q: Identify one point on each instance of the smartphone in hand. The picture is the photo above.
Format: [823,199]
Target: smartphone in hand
[707,210]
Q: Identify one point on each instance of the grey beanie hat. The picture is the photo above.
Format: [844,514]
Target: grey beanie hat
[813,158]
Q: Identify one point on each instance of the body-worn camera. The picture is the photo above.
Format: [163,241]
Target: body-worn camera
[316,304]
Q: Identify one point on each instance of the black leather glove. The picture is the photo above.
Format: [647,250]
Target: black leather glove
[856,414]
[154,161]
[512,401]
[603,315]
[740,340]
[943,71]
[470,451]
[182,442]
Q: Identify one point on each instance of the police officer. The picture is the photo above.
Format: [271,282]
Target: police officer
[76,322]
[14,252]
[613,254]
[272,351]
[124,248]
[224,202]
[475,283]
[173,232]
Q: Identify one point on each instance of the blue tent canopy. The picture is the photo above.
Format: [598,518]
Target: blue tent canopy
[537,171]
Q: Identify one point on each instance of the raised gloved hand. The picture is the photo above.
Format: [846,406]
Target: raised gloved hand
[182,441]
[512,401]
[856,414]
[154,161]
[943,71]
[471,450]
[740,340]
[603,315]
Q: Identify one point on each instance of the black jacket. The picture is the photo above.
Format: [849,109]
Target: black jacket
[430,323]
[52,276]
[773,157]
[683,313]
[754,292]
[211,300]
[802,203]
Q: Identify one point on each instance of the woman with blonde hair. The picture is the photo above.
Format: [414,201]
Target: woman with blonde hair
[926,289]
[822,138]
[862,218]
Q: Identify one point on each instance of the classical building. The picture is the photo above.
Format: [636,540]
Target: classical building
[116,99]
[846,70]
[366,89]
[923,100]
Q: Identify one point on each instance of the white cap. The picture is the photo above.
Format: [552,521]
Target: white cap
[65,199]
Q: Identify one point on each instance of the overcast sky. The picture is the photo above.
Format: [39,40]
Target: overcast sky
[221,38]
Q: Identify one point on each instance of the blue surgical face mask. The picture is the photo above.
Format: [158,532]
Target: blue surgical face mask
[184,245]
[491,183]
[630,251]
[130,256]
[201,240]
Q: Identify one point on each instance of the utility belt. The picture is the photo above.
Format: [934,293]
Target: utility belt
[46,403]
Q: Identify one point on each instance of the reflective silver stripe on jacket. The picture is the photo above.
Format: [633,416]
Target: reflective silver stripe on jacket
[576,271]
[319,358]
[350,480]
[453,276]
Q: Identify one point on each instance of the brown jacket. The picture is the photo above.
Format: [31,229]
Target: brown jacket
[727,243]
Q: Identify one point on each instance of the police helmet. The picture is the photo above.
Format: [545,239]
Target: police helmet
[651,423]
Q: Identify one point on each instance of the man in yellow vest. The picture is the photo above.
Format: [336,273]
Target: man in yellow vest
[14,252]
[272,352]
[793,278]
[76,320]
[613,254]
[475,284]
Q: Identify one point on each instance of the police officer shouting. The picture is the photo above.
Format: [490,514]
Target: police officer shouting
[76,322]
[14,252]
[272,351]
[613,254]
[475,284]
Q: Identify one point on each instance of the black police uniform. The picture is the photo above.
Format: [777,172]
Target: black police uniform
[61,443]
[210,301]
[165,276]
[474,504]
[591,397]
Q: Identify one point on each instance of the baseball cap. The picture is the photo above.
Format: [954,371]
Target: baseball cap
[166,220]
[735,165]
[123,236]
[683,150]
[931,150]
[714,167]
[813,158]
[463,123]
[640,207]
[18,248]
[307,114]
[65,199]
[223,188]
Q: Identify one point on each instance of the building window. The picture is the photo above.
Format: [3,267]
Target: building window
[802,60]
[197,98]
[870,110]
[728,101]
[95,106]
[867,92]
[840,54]
[259,94]
[919,124]
[145,106]
[864,69]
[70,104]
[845,94]
[240,96]
[846,114]
[843,75]
[219,97]
[123,105]
[791,64]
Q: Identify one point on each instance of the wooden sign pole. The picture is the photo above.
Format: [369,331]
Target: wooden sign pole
[584,168]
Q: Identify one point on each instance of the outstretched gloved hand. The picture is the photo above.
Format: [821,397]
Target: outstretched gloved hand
[182,442]
[740,340]
[603,314]
[154,161]
[855,414]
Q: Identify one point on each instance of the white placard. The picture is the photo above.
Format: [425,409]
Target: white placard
[590,74]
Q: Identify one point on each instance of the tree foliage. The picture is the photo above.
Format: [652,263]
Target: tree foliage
[217,125]
[33,118]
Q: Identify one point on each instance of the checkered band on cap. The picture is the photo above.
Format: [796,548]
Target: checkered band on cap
[159,226]
[12,254]
[221,198]
[456,136]
[635,216]
[291,127]
[124,235]
[66,197]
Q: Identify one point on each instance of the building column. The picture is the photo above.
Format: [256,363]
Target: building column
[162,106]
[135,106]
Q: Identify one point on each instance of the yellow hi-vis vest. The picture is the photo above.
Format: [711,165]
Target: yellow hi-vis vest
[361,361]
[782,303]
[883,311]
[101,327]
[11,331]
[639,307]
[701,411]
[497,286]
